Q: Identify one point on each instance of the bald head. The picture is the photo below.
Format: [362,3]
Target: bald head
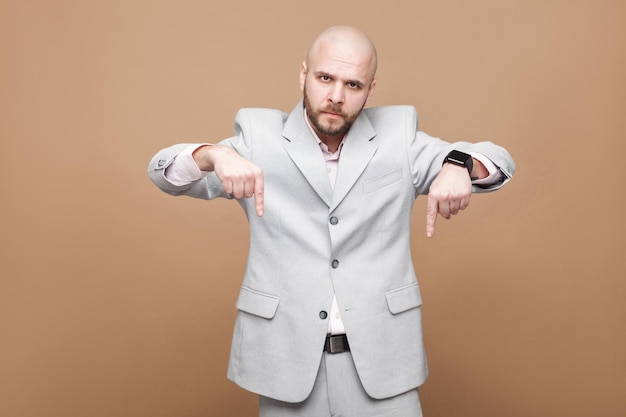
[348,42]
[337,80]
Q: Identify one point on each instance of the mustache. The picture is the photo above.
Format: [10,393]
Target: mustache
[333,109]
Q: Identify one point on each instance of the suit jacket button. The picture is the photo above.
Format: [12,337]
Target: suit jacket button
[323,314]
[335,264]
[334,220]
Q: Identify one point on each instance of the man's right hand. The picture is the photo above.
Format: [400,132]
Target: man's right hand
[239,177]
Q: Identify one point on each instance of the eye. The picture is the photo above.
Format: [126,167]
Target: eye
[325,78]
[353,85]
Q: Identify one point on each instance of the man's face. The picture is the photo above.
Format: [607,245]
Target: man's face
[336,87]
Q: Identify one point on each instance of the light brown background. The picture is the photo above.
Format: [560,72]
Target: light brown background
[117,300]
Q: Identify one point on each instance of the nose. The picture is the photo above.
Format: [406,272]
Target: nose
[336,94]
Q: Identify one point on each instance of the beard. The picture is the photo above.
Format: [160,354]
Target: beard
[335,127]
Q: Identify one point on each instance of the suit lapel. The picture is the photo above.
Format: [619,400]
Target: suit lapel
[358,149]
[304,151]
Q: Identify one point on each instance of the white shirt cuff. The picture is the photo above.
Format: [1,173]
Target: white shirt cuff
[183,170]
[495,175]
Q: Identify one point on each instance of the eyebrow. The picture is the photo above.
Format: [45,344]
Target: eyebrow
[321,73]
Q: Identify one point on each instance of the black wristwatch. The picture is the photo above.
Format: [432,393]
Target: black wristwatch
[461,159]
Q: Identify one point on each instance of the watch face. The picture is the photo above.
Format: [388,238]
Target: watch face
[457,157]
[461,159]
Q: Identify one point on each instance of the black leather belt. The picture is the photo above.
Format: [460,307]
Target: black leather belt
[336,344]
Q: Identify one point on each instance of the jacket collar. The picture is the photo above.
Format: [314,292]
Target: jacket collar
[302,147]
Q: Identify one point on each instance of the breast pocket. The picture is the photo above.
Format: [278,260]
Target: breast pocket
[381,181]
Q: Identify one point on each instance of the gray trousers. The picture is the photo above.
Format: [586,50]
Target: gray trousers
[338,393]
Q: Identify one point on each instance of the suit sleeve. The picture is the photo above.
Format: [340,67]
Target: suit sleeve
[208,187]
[426,154]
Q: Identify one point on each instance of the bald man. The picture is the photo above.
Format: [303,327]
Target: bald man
[329,311]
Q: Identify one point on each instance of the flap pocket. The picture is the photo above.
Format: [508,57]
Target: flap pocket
[404,298]
[257,303]
[384,180]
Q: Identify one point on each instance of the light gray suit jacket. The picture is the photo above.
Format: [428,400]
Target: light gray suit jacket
[315,241]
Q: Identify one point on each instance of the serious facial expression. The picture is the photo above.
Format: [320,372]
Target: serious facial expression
[336,86]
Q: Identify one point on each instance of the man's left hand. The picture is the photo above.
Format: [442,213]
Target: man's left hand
[449,193]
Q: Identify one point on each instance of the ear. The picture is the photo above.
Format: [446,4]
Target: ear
[303,72]
[370,93]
